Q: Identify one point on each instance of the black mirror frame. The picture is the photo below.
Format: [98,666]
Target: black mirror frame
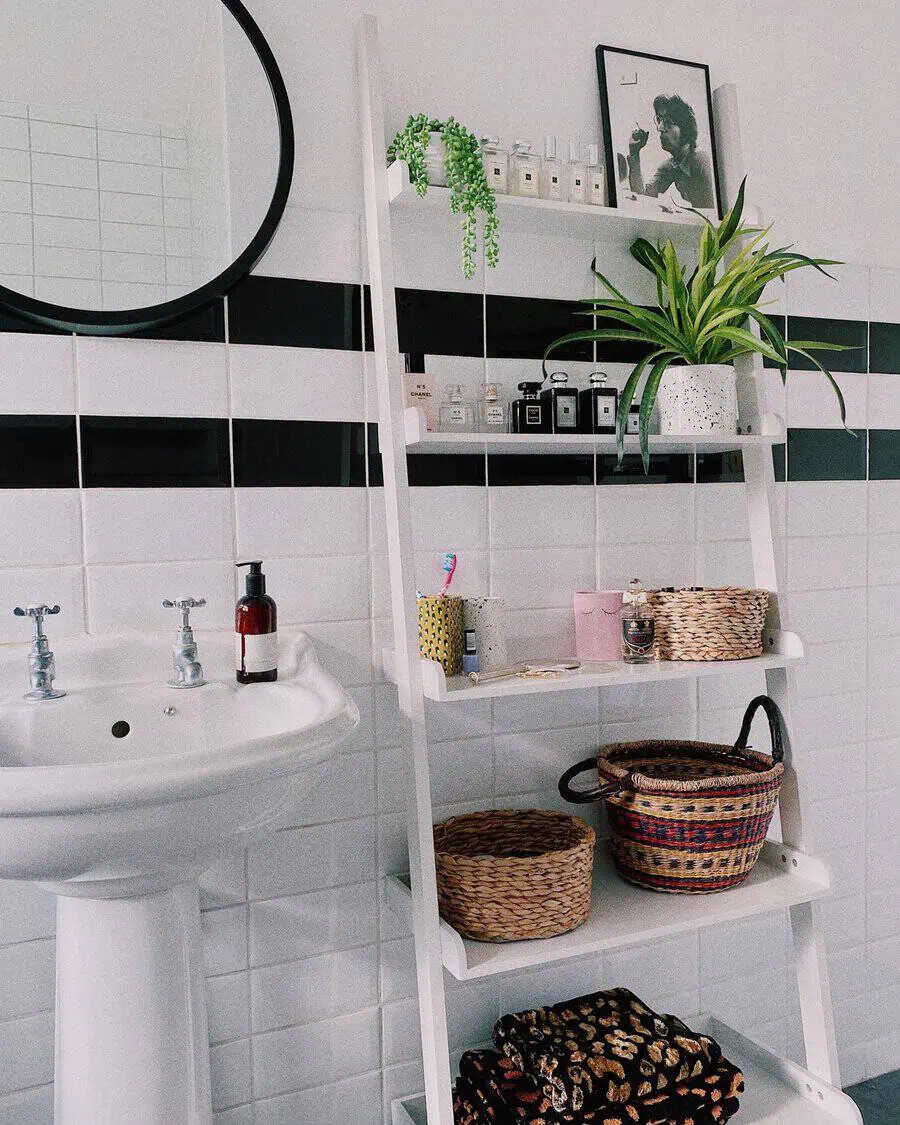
[122,321]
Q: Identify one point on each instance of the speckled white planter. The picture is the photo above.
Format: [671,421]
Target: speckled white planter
[700,399]
[435,154]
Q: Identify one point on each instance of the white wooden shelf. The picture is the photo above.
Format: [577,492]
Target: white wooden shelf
[547,217]
[778,1092]
[784,650]
[419,440]
[622,914]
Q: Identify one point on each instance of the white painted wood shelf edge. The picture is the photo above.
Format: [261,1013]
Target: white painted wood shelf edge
[783,650]
[779,1092]
[419,440]
[622,914]
[549,217]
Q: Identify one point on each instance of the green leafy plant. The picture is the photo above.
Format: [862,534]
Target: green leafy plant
[704,317]
[470,191]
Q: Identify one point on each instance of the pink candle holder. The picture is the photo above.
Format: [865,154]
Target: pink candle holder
[598,625]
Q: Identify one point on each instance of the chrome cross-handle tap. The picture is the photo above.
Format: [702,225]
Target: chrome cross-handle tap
[187,670]
[41,661]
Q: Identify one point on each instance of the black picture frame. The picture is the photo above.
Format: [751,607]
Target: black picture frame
[608,144]
[118,322]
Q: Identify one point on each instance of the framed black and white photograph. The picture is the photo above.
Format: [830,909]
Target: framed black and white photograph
[657,133]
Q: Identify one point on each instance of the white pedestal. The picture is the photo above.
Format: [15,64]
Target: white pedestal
[132,1043]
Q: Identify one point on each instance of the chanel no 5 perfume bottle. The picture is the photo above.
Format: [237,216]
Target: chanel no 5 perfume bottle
[456,416]
[563,402]
[490,415]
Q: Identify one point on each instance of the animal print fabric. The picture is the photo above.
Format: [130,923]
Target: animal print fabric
[603,1059]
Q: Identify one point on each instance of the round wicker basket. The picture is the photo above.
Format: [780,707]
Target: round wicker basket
[725,624]
[514,874]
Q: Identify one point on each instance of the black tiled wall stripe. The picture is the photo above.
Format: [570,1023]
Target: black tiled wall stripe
[155,452]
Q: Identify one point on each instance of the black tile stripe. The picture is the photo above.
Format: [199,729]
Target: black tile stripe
[513,469]
[665,468]
[884,348]
[206,325]
[426,469]
[816,454]
[38,451]
[852,333]
[298,454]
[522,327]
[293,313]
[440,323]
[884,454]
[155,452]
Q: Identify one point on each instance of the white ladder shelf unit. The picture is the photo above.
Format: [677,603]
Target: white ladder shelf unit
[789,875]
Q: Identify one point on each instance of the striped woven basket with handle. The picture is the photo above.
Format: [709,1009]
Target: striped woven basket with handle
[687,817]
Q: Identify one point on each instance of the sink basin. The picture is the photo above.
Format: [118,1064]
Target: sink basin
[116,798]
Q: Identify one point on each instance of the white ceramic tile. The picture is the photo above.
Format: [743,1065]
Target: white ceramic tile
[349,784]
[443,518]
[18,259]
[318,988]
[63,140]
[118,207]
[530,761]
[21,355]
[131,295]
[52,261]
[883,814]
[130,147]
[826,563]
[542,712]
[834,721]
[65,202]
[721,511]
[133,239]
[357,1100]
[177,212]
[13,131]
[238,1115]
[544,577]
[836,507]
[398,970]
[63,171]
[310,383]
[326,1052]
[883,763]
[829,668]
[133,377]
[43,527]
[326,242]
[884,295]
[307,589]
[174,152]
[120,123]
[726,563]
[312,924]
[667,564]
[460,771]
[179,271]
[827,615]
[15,228]
[469,580]
[229,1066]
[142,179]
[62,115]
[76,293]
[15,164]
[130,596]
[15,197]
[845,295]
[28,1107]
[666,966]
[225,882]
[298,860]
[18,282]
[149,269]
[59,585]
[744,1001]
[32,1067]
[300,521]
[228,1007]
[544,516]
[224,940]
[178,242]
[884,559]
[27,978]
[440,270]
[883,410]
[76,234]
[811,402]
[27,913]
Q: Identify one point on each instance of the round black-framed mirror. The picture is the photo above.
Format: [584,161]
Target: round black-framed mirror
[118,321]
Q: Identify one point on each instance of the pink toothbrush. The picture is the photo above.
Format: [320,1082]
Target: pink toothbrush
[450,568]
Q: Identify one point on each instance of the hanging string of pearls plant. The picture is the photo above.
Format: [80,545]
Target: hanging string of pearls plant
[470,191]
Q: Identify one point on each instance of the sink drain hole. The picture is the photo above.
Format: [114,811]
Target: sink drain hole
[120,729]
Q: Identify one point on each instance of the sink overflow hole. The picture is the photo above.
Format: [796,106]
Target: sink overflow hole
[120,729]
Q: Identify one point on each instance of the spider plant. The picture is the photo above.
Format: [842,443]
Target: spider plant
[704,317]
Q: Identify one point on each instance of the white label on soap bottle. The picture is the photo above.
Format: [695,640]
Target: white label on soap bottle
[256,652]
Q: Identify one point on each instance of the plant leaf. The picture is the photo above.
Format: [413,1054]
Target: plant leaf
[625,399]
[609,285]
[732,220]
[831,379]
[749,342]
[647,400]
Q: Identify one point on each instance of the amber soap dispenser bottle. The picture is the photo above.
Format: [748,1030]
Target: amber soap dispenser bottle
[256,630]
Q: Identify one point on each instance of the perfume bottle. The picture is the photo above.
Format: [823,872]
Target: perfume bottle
[638,626]
[496,164]
[471,659]
[633,425]
[524,171]
[563,403]
[456,416]
[599,404]
[531,413]
[551,172]
[596,180]
[491,413]
[577,175]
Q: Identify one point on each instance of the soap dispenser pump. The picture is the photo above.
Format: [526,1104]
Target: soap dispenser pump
[256,630]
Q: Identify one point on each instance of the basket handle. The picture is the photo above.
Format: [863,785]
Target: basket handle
[587,796]
[776,726]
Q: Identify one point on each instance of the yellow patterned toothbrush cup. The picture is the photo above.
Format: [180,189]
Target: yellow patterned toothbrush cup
[441,631]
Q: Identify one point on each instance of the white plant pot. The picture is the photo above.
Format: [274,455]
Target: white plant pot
[434,161]
[698,399]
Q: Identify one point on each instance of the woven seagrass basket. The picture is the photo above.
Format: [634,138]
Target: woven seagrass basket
[513,874]
[724,624]
[687,817]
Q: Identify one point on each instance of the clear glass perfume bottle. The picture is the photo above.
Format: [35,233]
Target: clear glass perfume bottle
[490,414]
[496,164]
[577,175]
[456,415]
[596,179]
[551,172]
[524,171]
[638,626]
[599,404]
[563,402]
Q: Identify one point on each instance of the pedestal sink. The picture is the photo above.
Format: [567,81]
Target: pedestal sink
[116,798]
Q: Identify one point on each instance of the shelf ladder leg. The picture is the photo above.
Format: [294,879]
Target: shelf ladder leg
[392,442]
